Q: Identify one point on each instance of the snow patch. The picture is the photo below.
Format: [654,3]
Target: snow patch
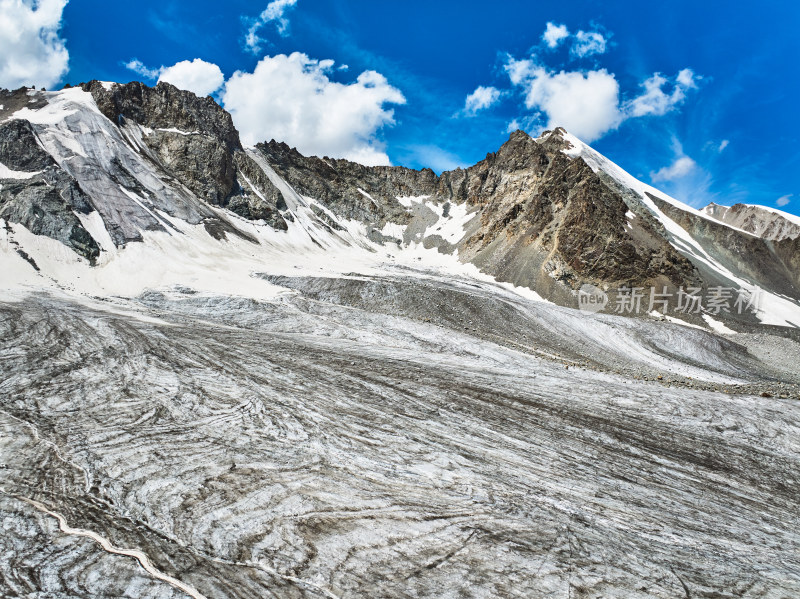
[717,326]
[7,173]
[674,320]
[94,225]
[60,105]
[407,201]
[451,227]
[178,131]
[393,230]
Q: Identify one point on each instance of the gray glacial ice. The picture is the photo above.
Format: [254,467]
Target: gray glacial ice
[304,447]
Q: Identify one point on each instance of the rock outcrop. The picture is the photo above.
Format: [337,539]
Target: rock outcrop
[40,195]
[762,222]
[196,142]
[546,216]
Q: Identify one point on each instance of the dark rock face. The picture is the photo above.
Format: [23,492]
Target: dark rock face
[257,197]
[200,155]
[13,100]
[165,107]
[201,162]
[548,216]
[44,205]
[195,141]
[19,149]
[788,253]
[336,182]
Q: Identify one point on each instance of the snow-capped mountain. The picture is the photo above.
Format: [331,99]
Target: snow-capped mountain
[761,221]
[103,167]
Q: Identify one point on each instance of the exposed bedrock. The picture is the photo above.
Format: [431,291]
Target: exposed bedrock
[41,196]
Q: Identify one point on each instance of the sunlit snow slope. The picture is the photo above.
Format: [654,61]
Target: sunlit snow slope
[142,211]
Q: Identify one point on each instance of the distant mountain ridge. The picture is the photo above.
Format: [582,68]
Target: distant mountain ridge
[103,166]
[761,221]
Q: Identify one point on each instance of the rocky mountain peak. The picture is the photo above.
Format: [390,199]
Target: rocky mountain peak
[164,107]
[195,140]
[517,136]
[538,212]
[555,140]
[761,222]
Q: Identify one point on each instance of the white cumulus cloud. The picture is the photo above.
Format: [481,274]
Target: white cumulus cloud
[197,76]
[273,13]
[656,101]
[526,123]
[31,50]
[584,43]
[586,104]
[292,99]
[723,144]
[784,200]
[677,170]
[554,34]
[137,66]
[480,99]
[587,43]
[686,78]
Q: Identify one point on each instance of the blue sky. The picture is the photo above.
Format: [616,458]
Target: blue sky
[698,98]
